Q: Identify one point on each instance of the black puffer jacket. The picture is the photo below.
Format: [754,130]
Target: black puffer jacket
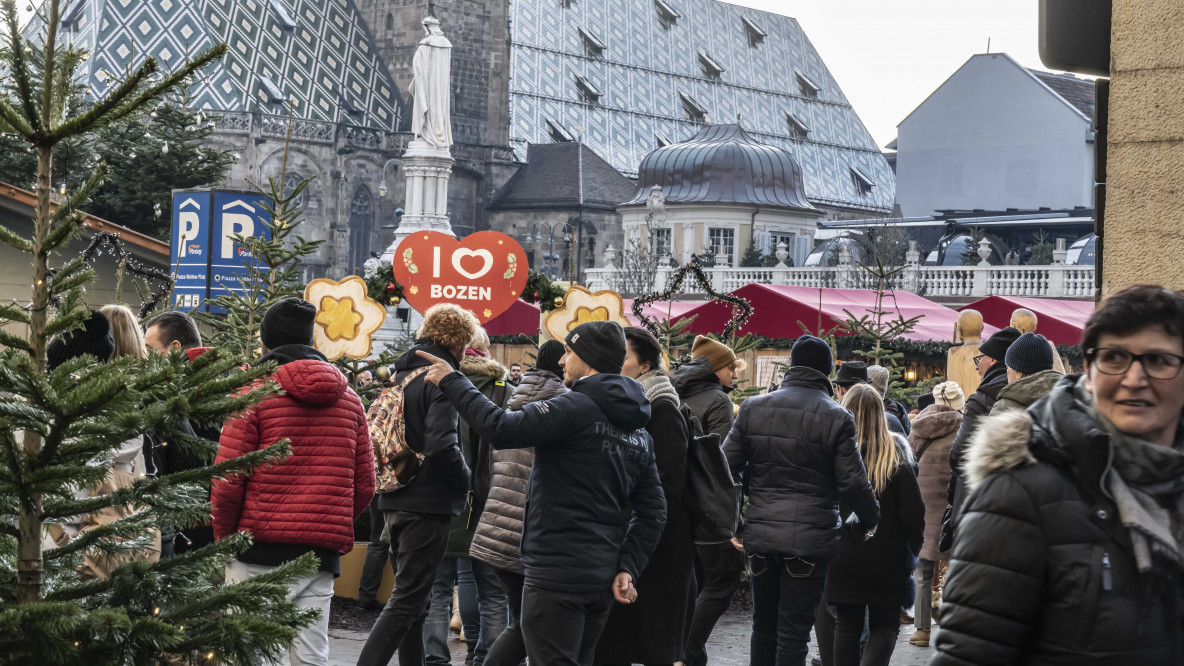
[592,457]
[499,534]
[700,390]
[797,447]
[1042,570]
[978,405]
[441,485]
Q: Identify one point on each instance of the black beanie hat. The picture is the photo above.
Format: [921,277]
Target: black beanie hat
[996,345]
[1029,354]
[812,352]
[601,344]
[288,322]
[548,357]
[94,339]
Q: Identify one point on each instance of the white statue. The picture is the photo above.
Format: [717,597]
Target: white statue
[656,203]
[431,71]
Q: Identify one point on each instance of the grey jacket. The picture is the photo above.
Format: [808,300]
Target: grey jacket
[499,532]
[700,390]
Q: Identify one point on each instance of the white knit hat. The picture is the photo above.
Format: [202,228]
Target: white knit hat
[949,394]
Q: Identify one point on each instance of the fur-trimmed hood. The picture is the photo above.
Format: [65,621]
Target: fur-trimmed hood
[478,365]
[1000,443]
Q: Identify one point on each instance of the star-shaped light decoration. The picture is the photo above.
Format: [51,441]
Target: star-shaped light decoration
[579,306]
[346,317]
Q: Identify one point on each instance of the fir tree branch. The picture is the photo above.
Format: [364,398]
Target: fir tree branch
[14,240]
[29,125]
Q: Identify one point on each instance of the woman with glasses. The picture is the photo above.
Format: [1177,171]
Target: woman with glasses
[1070,549]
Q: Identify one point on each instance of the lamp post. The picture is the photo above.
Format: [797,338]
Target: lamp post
[382,186]
[550,256]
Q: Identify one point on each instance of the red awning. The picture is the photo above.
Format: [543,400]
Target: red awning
[521,319]
[661,310]
[777,311]
[1059,321]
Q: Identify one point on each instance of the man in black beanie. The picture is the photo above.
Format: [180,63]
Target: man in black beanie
[990,364]
[796,446]
[592,458]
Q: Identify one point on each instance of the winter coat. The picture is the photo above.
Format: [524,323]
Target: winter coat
[591,458]
[499,533]
[977,405]
[702,393]
[878,571]
[309,500]
[894,408]
[653,630]
[1025,391]
[1042,570]
[487,375]
[797,447]
[441,485]
[933,434]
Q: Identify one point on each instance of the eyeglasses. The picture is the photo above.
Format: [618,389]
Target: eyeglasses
[978,358]
[1116,361]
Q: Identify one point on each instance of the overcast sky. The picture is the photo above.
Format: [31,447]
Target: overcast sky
[888,55]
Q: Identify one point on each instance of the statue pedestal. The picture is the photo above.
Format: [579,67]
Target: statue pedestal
[426,170]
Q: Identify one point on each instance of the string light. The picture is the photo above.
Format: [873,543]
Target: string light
[741,308]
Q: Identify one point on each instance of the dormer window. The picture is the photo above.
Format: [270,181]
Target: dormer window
[592,46]
[282,15]
[271,90]
[755,34]
[589,93]
[566,4]
[73,20]
[694,110]
[808,87]
[662,140]
[798,129]
[710,68]
[863,182]
[558,133]
[667,17]
[352,109]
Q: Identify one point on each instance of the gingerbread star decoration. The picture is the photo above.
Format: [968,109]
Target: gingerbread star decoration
[346,317]
[580,305]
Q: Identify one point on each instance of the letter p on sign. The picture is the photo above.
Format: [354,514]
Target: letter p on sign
[235,223]
[189,224]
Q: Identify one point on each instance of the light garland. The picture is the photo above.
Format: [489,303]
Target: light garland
[741,308]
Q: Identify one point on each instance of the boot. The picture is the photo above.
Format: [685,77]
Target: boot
[471,643]
[905,618]
[455,624]
[920,638]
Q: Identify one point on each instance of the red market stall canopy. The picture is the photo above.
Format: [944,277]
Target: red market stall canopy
[1059,321]
[778,309]
[661,310]
[521,319]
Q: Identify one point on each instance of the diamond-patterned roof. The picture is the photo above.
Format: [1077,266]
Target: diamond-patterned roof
[327,61]
[645,67]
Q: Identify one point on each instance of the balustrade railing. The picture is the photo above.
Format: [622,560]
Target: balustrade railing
[1054,281]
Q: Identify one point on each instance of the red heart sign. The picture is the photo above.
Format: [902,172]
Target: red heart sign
[481,273]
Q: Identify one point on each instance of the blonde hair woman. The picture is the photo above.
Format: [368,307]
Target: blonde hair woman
[873,575]
[125,331]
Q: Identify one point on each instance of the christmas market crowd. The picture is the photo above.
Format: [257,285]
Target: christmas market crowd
[599,504]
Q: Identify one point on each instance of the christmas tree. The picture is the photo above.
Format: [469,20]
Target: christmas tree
[60,427]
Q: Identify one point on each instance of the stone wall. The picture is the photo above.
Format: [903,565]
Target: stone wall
[520,223]
[1145,150]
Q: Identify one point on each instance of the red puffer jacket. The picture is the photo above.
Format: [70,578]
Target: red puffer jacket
[312,497]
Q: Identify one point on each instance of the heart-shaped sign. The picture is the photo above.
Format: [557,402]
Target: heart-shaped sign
[480,273]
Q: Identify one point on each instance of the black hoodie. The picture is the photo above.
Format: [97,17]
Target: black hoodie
[442,483]
[593,458]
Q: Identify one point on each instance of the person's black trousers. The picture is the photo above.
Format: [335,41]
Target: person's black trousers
[561,628]
[509,649]
[785,595]
[883,627]
[720,568]
[377,554]
[418,544]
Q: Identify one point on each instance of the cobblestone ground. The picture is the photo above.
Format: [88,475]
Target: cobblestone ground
[728,645]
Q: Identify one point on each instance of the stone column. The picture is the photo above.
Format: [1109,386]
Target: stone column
[1145,146]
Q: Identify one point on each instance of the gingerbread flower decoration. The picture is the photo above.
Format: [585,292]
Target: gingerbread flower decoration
[581,305]
[346,317]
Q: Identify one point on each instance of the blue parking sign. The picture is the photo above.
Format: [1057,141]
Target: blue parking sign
[206,260]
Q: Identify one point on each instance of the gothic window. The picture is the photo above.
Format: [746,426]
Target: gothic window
[390,22]
[755,34]
[361,221]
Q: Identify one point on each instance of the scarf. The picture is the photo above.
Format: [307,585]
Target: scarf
[657,385]
[1146,482]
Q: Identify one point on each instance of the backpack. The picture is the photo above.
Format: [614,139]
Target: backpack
[714,495]
[395,463]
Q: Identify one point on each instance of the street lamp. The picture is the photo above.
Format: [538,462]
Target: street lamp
[382,186]
[549,257]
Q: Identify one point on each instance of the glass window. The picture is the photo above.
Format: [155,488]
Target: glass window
[661,242]
[722,241]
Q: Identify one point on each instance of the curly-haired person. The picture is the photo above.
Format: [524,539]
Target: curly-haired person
[419,514]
